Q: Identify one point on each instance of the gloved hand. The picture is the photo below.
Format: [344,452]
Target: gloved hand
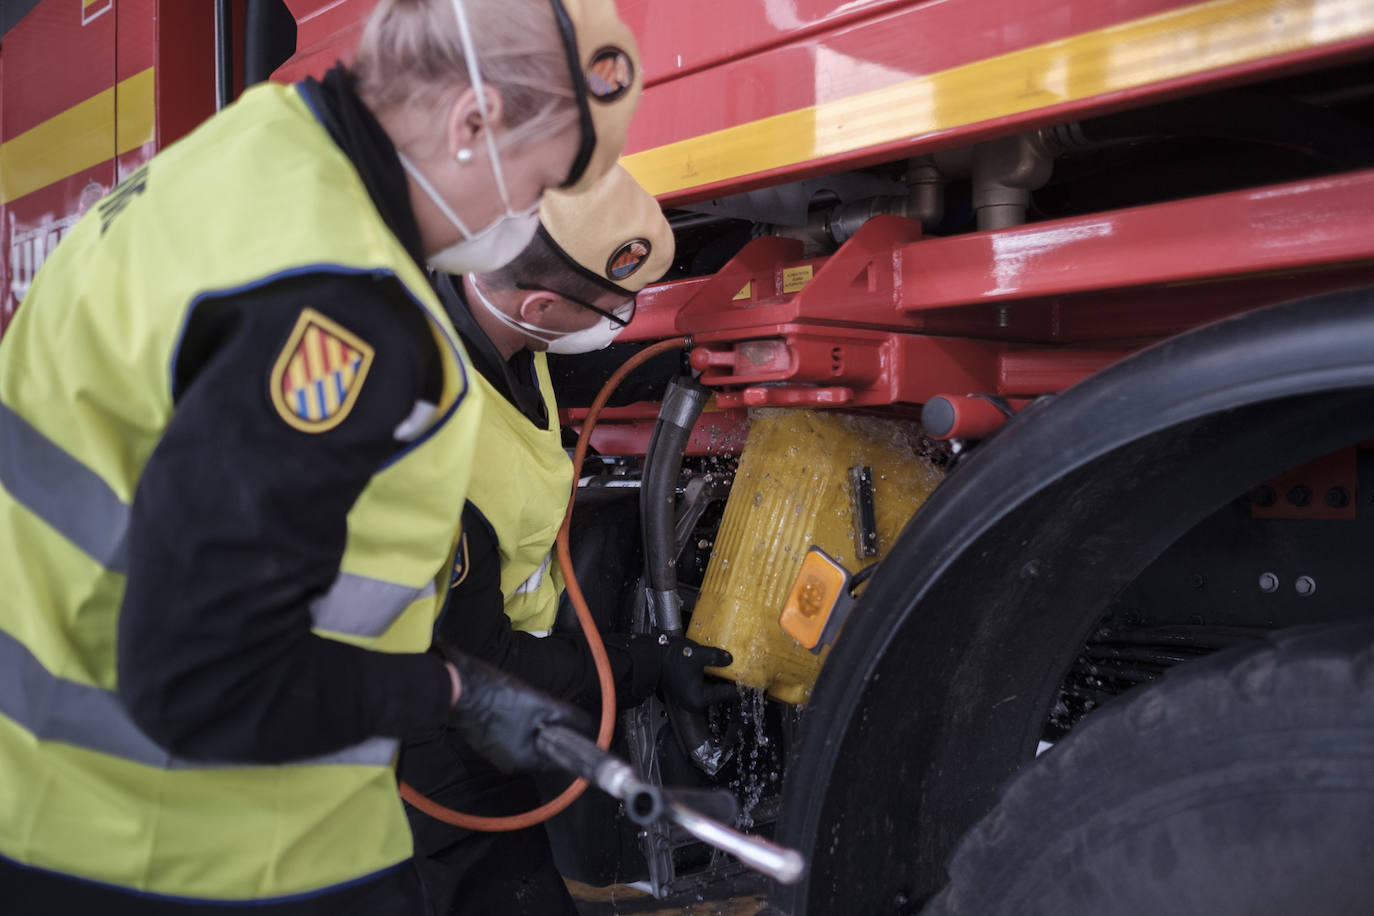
[683,679]
[498,715]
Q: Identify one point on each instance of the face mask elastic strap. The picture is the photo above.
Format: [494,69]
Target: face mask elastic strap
[514,324]
[423,182]
[478,86]
[579,84]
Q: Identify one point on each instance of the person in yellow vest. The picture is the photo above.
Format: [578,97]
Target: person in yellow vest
[236,431]
[571,291]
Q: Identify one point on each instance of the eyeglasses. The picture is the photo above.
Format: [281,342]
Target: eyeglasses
[620,316]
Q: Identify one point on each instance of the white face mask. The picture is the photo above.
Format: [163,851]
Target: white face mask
[497,244]
[596,337]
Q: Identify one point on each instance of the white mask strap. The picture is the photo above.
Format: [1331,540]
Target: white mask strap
[475,78]
[428,188]
[514,324]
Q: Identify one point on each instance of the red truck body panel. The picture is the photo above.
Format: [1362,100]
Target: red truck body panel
[740,95]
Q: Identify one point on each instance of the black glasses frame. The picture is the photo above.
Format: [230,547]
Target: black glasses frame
[616,320]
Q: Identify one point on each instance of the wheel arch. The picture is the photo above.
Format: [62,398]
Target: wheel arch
[923,710]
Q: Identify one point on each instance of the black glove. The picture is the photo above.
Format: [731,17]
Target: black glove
[498,715]
[683,679]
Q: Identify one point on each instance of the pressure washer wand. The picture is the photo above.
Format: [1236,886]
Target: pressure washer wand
[645,803]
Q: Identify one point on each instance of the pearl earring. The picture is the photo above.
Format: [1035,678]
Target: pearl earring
[464,156]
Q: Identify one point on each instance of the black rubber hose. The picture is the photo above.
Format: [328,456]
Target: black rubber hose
[224,54]
[1249,117]
[269,39]
[682,405]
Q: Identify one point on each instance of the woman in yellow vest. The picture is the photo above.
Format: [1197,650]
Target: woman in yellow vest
[236,430]
[571,291]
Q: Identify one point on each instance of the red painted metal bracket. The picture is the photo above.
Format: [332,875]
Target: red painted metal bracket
[1133,274]
[892,318]
[626,430]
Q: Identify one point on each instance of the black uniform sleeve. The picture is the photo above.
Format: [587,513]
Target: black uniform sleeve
[474,620]
[239,520]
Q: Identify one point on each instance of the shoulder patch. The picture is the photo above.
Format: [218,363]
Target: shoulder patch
[319,373]
[460,563]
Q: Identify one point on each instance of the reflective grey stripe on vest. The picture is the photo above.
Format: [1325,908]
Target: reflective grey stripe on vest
[77,504]
[531,585]
[63,492]
[56,709]
[360,606]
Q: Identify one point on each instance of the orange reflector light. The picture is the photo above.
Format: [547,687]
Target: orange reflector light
[822,586]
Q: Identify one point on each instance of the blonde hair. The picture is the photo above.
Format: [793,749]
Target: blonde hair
[411,53]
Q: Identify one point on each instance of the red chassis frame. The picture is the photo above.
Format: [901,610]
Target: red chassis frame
[893,319]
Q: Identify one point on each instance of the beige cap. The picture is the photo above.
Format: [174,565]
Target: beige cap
[613,82]
[615,231]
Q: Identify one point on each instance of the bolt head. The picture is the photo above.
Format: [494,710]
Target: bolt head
[1305,586]
[1299,495]
[1268,582]
[1337,497]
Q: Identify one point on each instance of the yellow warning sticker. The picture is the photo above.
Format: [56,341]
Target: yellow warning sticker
[794,278]
[745,293]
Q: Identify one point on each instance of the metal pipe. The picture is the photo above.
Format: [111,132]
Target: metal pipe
[582,757]
[645,804]
[1005,172]
[777,862]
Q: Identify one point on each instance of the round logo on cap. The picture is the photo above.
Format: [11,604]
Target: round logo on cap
[628,258]
[610,74]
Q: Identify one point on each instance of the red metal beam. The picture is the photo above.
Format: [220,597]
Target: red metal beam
[1127,274]
[626,430]
[890,318]
[1295,226]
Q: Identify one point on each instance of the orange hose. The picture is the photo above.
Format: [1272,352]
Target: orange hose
[584,617]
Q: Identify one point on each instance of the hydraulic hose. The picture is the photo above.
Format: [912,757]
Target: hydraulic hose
[1245,117]
[682,405]
[584,618]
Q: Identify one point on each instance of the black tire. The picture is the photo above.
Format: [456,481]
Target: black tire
[1240,784]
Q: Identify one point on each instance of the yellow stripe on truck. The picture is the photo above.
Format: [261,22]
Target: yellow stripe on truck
[1165,46]
[135,112]
[84,135]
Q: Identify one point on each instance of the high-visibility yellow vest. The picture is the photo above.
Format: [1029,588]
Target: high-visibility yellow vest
[521,481]
[256,193]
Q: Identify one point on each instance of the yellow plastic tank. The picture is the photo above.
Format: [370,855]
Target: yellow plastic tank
[792,490]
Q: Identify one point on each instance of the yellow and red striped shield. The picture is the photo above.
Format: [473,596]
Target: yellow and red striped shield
[319,373]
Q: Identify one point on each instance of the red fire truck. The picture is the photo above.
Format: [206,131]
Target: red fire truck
[1044,320]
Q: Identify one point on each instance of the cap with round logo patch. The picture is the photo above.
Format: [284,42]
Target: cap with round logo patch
[607,82]
[615,232]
